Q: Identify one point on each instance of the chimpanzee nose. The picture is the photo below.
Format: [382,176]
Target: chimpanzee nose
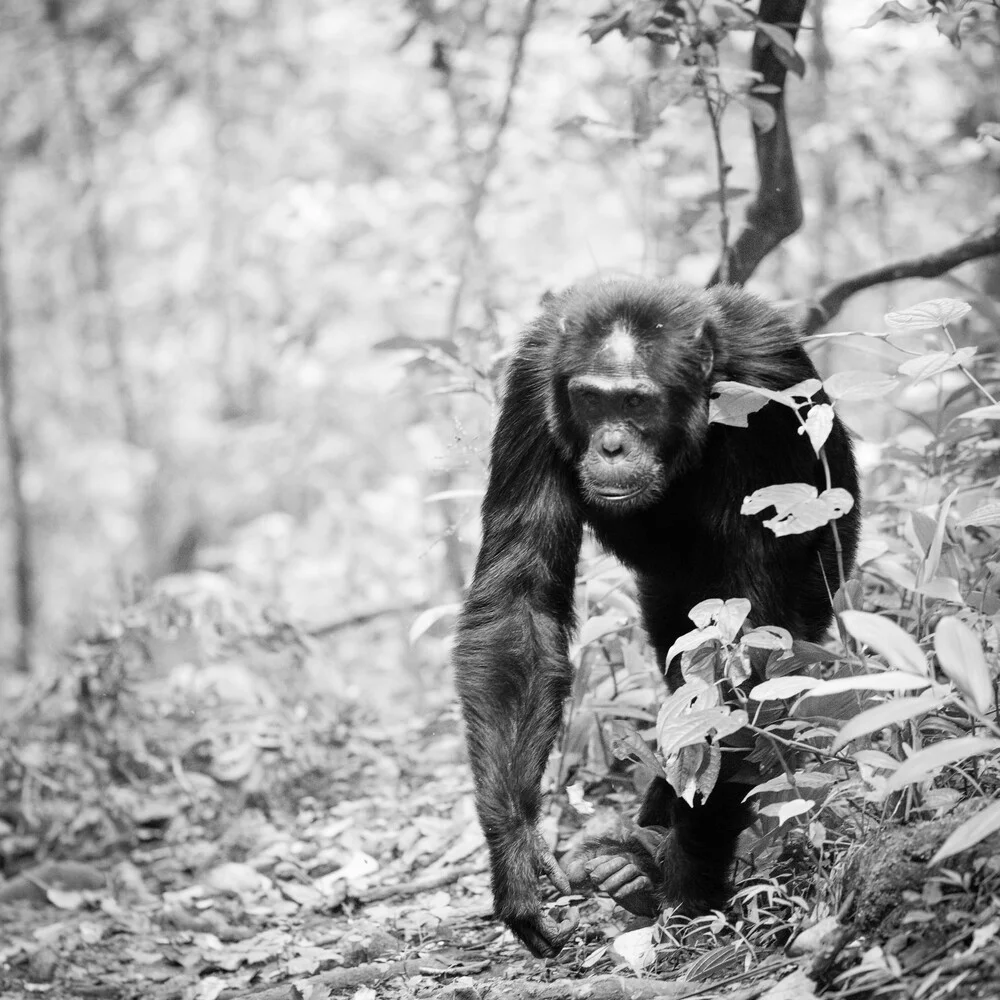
[613,444]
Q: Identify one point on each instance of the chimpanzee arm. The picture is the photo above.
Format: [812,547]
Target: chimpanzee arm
[512,669]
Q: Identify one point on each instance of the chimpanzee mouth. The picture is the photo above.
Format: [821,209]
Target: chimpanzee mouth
[616,496]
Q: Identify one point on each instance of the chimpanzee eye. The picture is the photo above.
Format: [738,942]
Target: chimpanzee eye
[633,401]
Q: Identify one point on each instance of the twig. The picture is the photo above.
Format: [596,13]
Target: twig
[595,988]
[469,969]
[715,113]
[422,884]
[832,298]
[334,981]
[355,621]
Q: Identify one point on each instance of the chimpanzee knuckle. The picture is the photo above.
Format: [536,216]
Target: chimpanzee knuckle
[615,874]
[605,866]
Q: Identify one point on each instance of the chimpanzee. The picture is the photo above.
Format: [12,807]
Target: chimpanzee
[604,422]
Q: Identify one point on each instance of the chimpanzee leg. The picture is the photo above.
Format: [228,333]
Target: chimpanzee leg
[697,855]
[657,805]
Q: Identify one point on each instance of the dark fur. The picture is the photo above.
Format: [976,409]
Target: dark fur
[686,541]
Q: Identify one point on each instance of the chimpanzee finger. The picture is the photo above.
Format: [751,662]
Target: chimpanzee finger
[549,867]
[542,935]
[576,872]
[620,879]
[613,874]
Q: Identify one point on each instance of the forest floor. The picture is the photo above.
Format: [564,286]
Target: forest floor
[161,842]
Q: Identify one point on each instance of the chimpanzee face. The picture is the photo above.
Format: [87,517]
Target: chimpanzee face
[620,412]
[629,398]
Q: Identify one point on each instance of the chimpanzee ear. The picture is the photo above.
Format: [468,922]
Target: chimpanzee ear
[703,341]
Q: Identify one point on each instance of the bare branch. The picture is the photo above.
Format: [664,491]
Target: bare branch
[365,617]
[776,212]
[832,298]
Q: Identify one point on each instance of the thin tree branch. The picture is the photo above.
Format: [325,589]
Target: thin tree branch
[831,299]
[715,111]
[356,621]
[776,212]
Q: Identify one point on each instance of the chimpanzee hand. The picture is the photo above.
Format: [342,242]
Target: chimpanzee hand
[626,870]
[617,876]
[516,902]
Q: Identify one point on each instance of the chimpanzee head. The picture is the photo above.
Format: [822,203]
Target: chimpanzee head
[629,396]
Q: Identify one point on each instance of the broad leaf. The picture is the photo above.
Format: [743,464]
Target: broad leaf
[798,507]
[785,811]
[890,680]
[599,626]
[767,637]
[731,616]
[795,986]
[924,315]
[783,46]
[694,768]
[737,666]
[819,423]
[898,647]
[934,363]
[981,413]
[804,779]
[970,833]
[987,514]
[781,497]
[733,402]
[877,759]
[431,616]
[890,714]
[780,688]
[692,695]
[704,612]
[960,655]
[762,114]
[856,385]
[636,948]
[942,588]
[692,640]
[930,566]
[925,763]
[896,9]
[627,744]
[804,390]
[696,727]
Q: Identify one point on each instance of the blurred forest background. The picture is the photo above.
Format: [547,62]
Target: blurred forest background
[214,214]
